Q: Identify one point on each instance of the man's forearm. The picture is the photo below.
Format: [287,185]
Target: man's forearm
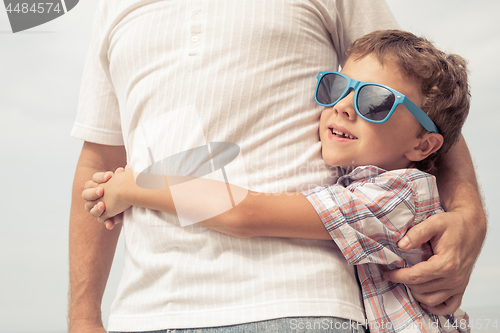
[91,246]
[458,187]
[459,193]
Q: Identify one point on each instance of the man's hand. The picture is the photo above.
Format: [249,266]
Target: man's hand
[439,283]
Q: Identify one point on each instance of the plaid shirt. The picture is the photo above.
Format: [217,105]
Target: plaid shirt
[367,212]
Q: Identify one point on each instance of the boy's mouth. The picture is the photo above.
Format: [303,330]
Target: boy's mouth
[341,134]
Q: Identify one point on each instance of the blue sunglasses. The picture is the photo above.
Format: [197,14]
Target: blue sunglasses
[373,102]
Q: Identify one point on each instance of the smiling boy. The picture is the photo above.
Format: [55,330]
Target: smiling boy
[396,107]
[348,140]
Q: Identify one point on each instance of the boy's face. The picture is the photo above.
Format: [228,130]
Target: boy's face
[350,141]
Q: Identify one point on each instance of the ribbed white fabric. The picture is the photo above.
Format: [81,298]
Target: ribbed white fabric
[248,69]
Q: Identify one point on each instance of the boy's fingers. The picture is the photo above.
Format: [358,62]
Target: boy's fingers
[102,177]
[97,210]
[118,219]
[109,224]
[104,217]
[90,184]
[89,205]
[92,194]
[120,169]
[101,218]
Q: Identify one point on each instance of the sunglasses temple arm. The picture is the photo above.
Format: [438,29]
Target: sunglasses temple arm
[421,116]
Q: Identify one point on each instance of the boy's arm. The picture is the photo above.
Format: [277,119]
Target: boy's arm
[91,247]
[259,214]
[288,215]
[456,237]
[291,215]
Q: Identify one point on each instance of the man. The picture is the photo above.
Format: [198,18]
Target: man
[246,69]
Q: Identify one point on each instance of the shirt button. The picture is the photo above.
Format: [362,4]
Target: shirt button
[195,17]
[194,38]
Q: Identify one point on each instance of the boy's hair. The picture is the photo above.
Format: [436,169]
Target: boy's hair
[442,77]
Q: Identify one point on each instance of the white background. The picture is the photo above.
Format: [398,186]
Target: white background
[40,73]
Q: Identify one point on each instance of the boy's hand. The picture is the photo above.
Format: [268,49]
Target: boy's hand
[439,283]
[104,195]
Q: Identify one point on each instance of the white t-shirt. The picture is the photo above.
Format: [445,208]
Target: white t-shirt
[163,77]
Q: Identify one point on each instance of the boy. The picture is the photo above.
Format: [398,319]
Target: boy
[383,146]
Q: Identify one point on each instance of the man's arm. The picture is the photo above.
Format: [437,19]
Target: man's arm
[91,246]
[456,237]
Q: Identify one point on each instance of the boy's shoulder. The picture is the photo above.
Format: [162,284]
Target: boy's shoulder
[412,182]
[383,190]
[370,173]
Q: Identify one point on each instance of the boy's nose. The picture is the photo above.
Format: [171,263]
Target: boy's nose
[345,107]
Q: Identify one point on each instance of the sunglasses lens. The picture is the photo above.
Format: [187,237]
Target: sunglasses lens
[330,89]
[375,102]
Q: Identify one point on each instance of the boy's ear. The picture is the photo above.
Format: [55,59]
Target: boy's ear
[426,145]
